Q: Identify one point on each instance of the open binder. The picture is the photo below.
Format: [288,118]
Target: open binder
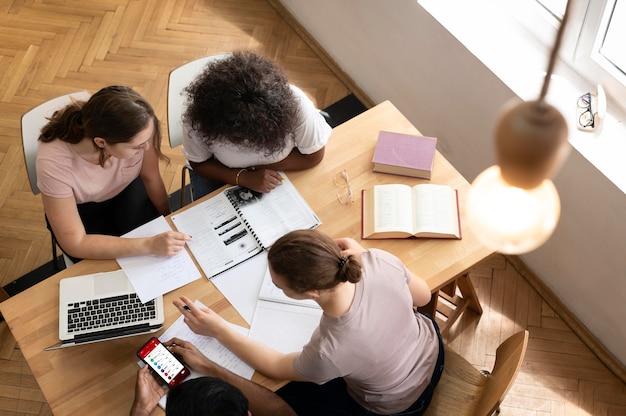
[239,223]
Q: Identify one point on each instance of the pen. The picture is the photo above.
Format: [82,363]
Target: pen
[185,307]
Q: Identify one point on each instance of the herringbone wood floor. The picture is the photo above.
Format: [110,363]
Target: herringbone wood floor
[52,47]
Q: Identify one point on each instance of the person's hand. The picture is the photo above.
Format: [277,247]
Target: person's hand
[203,321]
[190,355]
[168,243]
[148,392]
[261,180]
[350,247]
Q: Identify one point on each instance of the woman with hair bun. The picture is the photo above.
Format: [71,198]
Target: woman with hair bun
[98,172]
[371,354]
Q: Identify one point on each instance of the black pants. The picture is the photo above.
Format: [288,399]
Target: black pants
[123,213]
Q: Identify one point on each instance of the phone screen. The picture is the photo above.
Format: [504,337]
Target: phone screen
[163,362]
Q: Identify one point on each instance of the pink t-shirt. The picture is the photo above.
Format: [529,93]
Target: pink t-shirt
[383,350]
[61,173]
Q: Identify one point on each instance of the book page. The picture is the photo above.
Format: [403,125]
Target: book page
[284,327]
[435,209]
[270,292]
[392,208]
[275,213]
[220,238]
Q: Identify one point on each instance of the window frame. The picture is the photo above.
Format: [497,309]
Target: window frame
[581,44]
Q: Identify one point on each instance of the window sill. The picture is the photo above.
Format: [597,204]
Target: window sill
[491,33]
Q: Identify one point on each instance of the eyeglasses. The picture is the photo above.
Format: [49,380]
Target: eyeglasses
[586,118]
[342,181]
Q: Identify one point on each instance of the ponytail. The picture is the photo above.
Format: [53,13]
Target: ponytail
[349,270]
[65,124]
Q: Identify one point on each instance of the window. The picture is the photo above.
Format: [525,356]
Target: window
[555,7]
[593,43]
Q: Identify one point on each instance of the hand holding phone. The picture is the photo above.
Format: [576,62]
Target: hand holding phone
[169,368]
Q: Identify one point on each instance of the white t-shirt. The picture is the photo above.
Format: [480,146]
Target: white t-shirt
[310,135]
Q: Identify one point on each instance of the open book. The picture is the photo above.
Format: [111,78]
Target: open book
[401,211]
[239,223]
[281,322]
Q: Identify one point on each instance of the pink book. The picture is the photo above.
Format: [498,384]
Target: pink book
[404,154]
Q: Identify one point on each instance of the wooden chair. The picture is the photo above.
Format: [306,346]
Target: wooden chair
[179,79]
[32,123]
[463,390]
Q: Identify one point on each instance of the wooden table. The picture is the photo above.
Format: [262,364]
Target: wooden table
[98,379]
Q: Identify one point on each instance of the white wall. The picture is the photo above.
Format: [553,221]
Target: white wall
[396,51]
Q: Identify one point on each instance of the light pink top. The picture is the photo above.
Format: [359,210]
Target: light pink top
[61,173]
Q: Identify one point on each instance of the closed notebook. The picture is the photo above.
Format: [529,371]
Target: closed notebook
[404,154]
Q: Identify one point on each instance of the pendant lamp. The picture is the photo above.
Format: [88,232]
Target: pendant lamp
[513,207]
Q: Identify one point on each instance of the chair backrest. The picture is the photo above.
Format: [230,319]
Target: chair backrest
[464,391]
[509,357]
[179,79]
[32,123]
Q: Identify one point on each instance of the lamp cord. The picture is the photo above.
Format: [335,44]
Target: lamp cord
[554,53]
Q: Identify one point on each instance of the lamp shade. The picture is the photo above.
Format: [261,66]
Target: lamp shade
[531,142]
[510,219]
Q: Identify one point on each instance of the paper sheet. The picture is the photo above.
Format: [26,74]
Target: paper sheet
[210,347]
[241,285]
[286,328]
[152,276]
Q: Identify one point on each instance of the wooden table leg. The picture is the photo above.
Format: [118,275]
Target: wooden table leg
[446,305]
[469,293]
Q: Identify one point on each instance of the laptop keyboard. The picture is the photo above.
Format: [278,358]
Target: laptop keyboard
[108,312]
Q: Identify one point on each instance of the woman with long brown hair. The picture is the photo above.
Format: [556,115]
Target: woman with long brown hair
[98,172]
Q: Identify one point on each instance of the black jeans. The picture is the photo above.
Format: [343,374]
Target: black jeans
[123,213]
[332,398]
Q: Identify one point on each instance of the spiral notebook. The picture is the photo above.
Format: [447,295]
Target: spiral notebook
[239,223]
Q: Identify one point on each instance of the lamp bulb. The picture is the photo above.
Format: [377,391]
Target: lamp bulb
[509,219]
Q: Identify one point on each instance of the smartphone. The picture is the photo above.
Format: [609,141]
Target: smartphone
[169,368]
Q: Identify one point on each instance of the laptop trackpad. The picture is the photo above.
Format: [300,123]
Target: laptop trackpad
[110,283]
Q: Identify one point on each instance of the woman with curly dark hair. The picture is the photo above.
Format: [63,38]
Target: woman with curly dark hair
[244,122]
[98,172]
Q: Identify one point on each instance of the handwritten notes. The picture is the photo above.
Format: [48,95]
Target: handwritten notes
[153,276]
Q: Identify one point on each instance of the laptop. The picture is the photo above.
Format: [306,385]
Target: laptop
[103,306]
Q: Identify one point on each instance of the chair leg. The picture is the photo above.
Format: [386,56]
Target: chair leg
[55,260]
[183,181]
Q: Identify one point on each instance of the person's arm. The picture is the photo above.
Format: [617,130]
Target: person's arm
[70,232]
[420,292]
[261,400]
[152,180]
[148,392]
[297,161]
[257,355]
[259,180]
[350,247]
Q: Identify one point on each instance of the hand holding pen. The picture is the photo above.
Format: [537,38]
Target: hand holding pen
[202,321]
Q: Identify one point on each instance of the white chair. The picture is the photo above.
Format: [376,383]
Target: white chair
[179,79]
[32,123]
